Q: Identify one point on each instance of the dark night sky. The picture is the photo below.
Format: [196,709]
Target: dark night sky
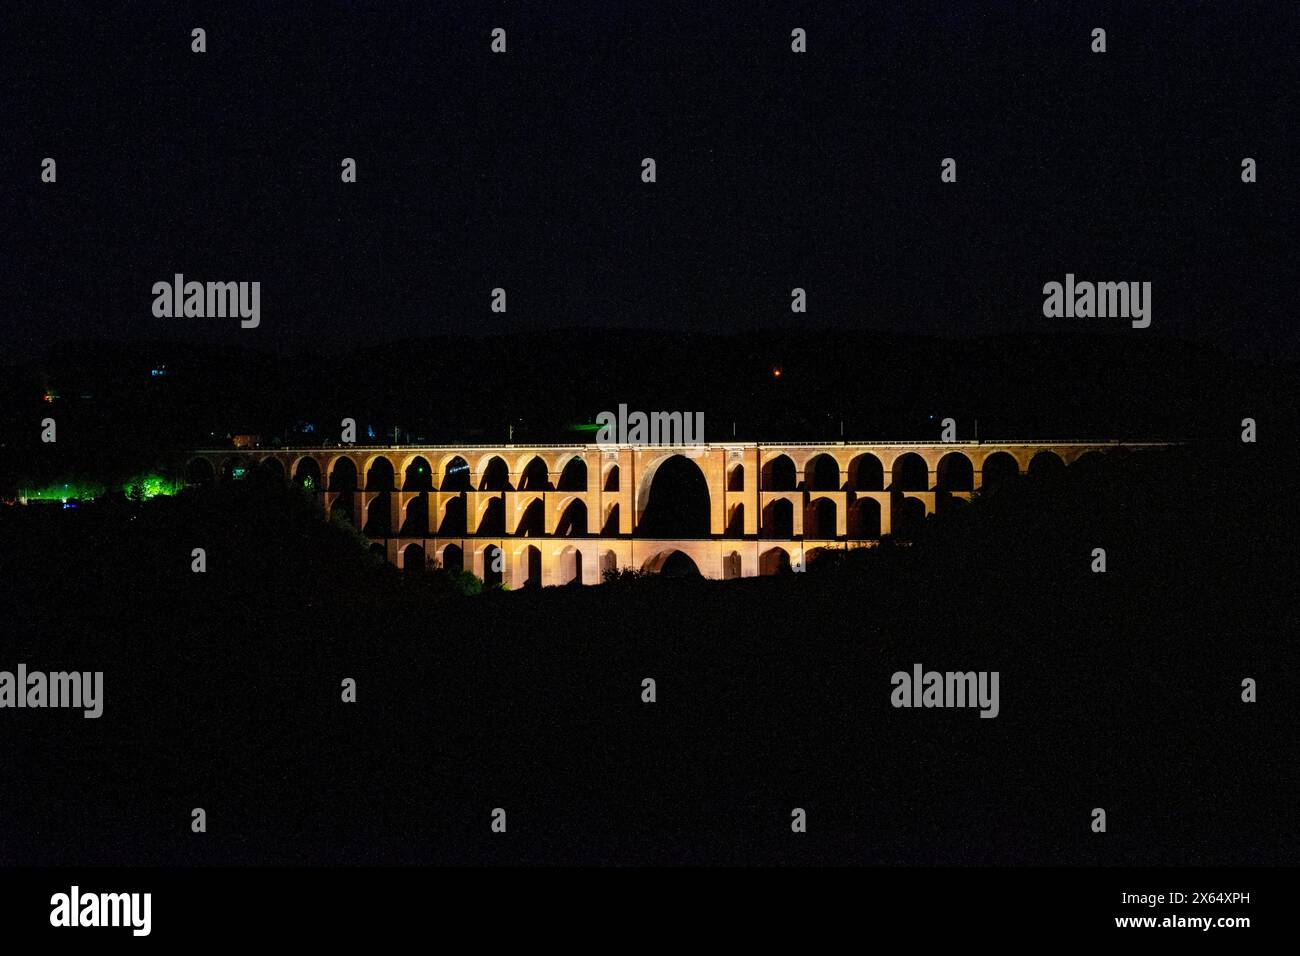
[523,171]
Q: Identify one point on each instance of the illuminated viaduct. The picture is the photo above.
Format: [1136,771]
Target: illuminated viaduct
[555,514]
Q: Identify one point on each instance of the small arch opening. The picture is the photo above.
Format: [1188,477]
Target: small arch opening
[415,524]
[778,519]
[571,566]
[453,518]
[535,477]
[413,559]
[819,519]
[343,476]
[455,476]
[496,475]
[822,473]
[306,474]
[910,473]
[866,473]
[419,476]
[778,474]
[573,521]
[864,518]
[379,520]
[955,473]
[532,523]
[999,468]
[736,520]
[574,476]
[610,528]
[453,559]
[493,520]
[530,567]
[1046,464]
[774,561]
[380,476]
[731,566]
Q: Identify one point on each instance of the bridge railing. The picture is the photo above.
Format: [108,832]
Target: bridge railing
[1019,443]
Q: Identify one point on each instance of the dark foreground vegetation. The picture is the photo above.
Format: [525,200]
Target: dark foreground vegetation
[1119,690]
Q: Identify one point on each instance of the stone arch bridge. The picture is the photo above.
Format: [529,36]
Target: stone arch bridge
[558,514]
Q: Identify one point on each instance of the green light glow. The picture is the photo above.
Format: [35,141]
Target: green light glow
[139,487]
[586,428]
[67,491]
[149,486]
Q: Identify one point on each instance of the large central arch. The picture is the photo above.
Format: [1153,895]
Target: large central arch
[672,500]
